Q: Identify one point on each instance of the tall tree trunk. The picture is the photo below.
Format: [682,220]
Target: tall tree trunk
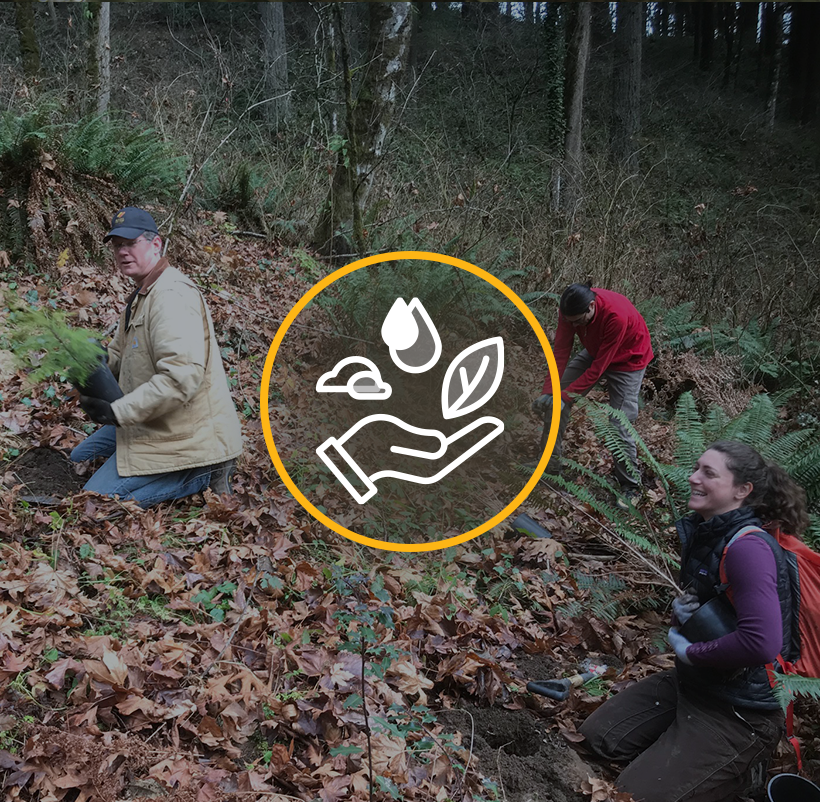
[746,23]
[803,61]
[707,34]
[625,121]
[368,120]
[566,187]
[768,44]
[98,68]
[600,26]
[419,19]
[727,12]
[29,50]
[529,12]
[683,19]
[275,64]
[324,50]
[776,44]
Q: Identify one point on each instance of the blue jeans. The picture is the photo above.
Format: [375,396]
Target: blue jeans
[145,490]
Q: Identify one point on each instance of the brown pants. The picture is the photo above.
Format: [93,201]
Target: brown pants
[681,748]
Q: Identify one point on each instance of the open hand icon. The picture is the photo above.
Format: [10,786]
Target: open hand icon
[426,448]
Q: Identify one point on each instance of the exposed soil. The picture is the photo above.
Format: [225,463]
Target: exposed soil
[44,472]
[518,752]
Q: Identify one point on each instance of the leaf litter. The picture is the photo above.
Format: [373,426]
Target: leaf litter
[194,651]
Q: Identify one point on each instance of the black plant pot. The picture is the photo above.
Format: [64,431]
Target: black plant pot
[792,788]
[101,384]
[710,621]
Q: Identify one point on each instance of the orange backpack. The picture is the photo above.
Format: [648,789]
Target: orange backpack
[804,576]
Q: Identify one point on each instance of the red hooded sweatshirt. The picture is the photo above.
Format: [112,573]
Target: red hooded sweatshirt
[617,339]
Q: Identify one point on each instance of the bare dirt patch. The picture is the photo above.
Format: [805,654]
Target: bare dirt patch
[518,751]
[42,472]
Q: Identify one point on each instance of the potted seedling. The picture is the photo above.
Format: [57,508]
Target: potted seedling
[43,338]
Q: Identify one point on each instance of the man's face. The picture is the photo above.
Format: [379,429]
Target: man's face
[136,258]
[584,318]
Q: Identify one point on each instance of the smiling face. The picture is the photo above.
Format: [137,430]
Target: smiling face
[136,258]
[713,488]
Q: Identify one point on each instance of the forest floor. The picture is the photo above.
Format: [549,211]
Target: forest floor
[216,648]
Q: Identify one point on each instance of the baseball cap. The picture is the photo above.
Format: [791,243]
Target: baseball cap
[130,223]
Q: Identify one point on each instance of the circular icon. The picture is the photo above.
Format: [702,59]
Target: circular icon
[470,379]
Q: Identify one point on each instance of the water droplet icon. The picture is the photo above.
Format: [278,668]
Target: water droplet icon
[416,354]
[400,329]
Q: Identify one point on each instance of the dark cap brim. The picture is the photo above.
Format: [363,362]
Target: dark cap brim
[127,233]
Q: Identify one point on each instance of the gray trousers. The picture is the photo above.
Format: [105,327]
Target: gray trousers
[624,388]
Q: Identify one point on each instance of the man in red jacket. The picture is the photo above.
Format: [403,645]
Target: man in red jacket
[616,346]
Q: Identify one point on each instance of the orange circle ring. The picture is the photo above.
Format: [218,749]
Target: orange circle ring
[265,390]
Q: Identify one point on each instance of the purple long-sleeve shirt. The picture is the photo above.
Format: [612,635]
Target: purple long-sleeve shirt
[752,575]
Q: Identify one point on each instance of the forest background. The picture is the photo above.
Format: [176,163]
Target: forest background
[668,151]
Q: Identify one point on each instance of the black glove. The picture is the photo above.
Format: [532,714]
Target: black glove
[98,410]
[543,404]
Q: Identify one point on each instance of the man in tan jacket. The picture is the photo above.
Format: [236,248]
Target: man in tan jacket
[175,431]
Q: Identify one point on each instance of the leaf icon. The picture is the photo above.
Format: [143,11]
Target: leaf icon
[472,378]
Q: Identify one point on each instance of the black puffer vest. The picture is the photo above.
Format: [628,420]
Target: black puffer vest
[703,543]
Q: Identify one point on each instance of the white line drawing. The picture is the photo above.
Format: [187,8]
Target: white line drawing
[364,385]
[486,377]
[444,442]
[413,349]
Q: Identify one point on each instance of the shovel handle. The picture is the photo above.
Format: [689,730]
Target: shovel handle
[554,689]
[559,689]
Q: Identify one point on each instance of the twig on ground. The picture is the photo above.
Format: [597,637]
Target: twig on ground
[664,575]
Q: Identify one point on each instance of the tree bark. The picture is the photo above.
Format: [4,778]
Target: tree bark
[103,58]
[29,50]
[746,22]
[566,187]
[368,120]
[529,12]
[625,121]
[727,11]
[803,61]
[776,44]
[707,34]
[275,64]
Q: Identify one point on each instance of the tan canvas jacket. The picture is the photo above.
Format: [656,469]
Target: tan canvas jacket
[177,410]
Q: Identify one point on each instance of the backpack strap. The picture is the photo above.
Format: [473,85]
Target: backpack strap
[787,668]
[744,530]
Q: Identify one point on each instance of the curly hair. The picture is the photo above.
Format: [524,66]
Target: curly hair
[775,496]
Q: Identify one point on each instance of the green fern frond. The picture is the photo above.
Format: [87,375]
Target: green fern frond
[715,424]
[689,431]
[788,449]
[788,686]
[584,495]
[811,536]
[583,470]
[754,425]
[806,472]
[606,424]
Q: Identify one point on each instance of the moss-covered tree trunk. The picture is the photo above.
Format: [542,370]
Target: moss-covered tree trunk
[367,124]
[625,121]
[29,50]
[566,186]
